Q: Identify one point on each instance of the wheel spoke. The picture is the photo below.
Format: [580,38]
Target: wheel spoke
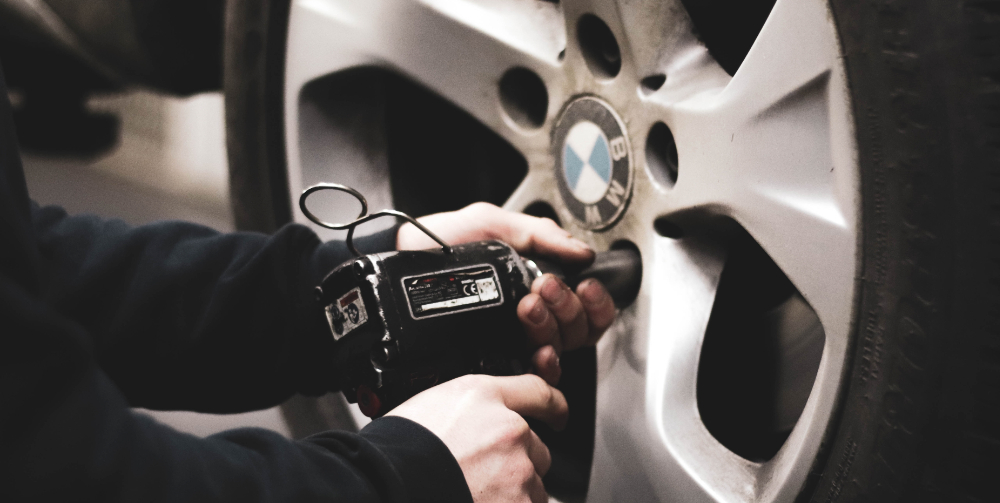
[459,49]
[796,46]
[653,445]
[774,149]
[538,186]
[763,149]
[812,244]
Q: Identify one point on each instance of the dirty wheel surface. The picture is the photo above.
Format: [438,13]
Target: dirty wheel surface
[812,187]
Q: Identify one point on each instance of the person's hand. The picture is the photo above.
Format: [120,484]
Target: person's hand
[555,317]
[479,419]
[482,221]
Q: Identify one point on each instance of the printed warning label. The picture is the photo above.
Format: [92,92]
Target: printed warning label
[347,313]
[448,292]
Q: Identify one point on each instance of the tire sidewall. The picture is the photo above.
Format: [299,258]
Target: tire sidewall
[910,352]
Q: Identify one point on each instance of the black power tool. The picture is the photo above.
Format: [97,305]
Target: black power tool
[405,321]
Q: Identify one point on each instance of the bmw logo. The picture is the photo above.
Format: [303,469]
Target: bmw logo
[593,162]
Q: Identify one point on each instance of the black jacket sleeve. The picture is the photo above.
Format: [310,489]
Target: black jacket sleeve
[110,295]
[183,317]
[96,316]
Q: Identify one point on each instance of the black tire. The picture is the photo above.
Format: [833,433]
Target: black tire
[253,73]
[253,63]
[919,415]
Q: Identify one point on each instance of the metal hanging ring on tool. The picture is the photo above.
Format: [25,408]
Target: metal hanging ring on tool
[362,217]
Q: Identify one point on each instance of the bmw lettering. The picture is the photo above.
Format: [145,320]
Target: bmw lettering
[593,162]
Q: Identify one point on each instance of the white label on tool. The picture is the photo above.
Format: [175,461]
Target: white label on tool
[487,289]
[347,313]
[452,291]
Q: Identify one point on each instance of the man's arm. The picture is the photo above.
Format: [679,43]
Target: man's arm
[399,455]
[183,317]
[67,434]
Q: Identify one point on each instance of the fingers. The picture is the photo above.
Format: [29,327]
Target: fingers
[598,305]
[546,364]
[540,457]
[552,315]
[479,221]
[539,323]
[530,396]
[538,453]
[567,310]
[542,236]
[536,490]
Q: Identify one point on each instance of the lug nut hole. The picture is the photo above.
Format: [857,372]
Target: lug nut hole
[600,49]
[653,83]
[661,154]
[524,97]
[544,210]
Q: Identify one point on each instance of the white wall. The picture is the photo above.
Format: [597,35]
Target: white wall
[177,146]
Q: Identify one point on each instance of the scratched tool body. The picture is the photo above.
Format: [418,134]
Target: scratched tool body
[404,321]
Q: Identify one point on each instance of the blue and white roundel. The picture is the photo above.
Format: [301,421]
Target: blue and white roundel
[587,162]
[593,167]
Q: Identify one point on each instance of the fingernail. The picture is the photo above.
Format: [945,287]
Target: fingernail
[552,291]
[538,313]
[579,244]
[593,293]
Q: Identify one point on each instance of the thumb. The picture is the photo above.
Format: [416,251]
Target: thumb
[542,236]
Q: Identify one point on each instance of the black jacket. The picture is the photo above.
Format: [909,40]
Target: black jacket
[97,316]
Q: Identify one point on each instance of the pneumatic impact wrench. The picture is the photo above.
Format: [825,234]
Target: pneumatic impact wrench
[404,321]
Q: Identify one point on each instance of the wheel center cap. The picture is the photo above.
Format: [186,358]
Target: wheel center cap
[593,162]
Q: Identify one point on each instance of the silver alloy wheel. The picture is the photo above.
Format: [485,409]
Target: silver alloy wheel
[771,147]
